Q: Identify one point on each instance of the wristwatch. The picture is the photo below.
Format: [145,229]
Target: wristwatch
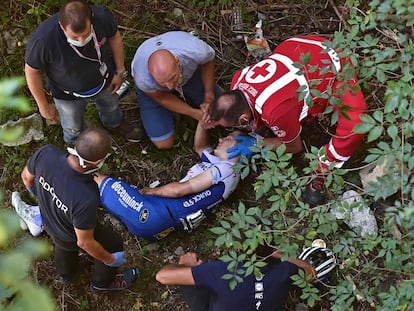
[122,74]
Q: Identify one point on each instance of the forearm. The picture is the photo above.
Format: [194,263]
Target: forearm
[35,84]
[305,266]
[171,190]
[115,44]
[207,76]
[93,248]
[298,262]
[175,104]
[175,274]
[179,274]
[27,178]
[201,139]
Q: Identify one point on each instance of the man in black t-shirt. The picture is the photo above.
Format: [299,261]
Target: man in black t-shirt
[68,200]
[80,51]
[205,289]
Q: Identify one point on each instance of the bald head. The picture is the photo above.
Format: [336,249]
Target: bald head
[93,144]
[164,67]
[228,107]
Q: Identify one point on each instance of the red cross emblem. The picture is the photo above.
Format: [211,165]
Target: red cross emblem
[261,72]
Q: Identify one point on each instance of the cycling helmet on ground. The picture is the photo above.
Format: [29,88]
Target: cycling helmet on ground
[321,259]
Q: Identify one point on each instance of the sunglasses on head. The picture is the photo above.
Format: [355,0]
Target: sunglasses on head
[82,161]
[239,127]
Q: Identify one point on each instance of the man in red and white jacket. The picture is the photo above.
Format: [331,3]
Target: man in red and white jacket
[294,85]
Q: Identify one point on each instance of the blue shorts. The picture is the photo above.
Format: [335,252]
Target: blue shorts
[158,121]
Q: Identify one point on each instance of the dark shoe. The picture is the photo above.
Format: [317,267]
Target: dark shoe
[314,192]
[129,132]
[85,259]
[122,281]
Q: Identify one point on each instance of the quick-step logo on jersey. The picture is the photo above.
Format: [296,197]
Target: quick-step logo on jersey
[196,198]
[47,187]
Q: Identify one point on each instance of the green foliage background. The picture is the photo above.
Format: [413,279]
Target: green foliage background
[375,272]
[17,289]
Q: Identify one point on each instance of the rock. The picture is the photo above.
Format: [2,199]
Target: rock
[356,213]
[108,218]
[179,251]
[388,171]
[177,12]
[11,40]
[31,127]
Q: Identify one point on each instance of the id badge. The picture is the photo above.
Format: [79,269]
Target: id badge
[103,69]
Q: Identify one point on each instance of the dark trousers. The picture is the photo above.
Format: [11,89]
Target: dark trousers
[197,298]
[67,259]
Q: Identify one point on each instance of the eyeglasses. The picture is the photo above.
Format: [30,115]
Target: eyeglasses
[239,127]
[82,161]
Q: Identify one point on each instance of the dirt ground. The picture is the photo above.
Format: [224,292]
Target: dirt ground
[140,163]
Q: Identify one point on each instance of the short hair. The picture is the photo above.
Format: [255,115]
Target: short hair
[229,106]
[93,144]
[76,14]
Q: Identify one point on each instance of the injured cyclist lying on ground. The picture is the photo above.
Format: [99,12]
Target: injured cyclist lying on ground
[153,213]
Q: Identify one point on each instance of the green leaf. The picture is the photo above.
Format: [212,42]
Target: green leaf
[218,230]
[392,131]
[362,128]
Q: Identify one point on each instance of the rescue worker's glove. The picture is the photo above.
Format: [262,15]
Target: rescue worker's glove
[118,261]
[243,147]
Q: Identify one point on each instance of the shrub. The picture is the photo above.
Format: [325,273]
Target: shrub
[376,272]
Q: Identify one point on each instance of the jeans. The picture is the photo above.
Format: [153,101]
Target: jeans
[71,113]
[159,121]
[67,259]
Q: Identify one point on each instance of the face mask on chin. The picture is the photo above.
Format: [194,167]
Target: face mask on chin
[81,44]
[96,168]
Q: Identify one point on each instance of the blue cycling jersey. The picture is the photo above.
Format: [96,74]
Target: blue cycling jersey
[152,217]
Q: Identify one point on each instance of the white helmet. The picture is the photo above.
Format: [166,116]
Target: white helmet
[321,259]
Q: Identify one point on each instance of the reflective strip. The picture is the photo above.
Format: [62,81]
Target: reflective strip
[335,154]
[331,52]
[323,159]
[325,268]
[89,93]
[242,74]
[282,82]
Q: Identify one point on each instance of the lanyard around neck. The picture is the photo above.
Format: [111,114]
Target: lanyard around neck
[96,46]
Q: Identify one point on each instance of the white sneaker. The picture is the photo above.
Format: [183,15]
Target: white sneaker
[30,215]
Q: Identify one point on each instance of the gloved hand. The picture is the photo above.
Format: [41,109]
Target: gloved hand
[243,147]
[119,259]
